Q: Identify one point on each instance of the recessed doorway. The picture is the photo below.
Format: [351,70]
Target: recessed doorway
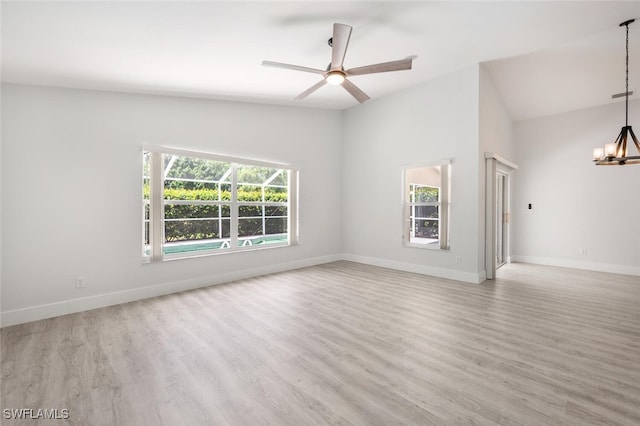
[497,212]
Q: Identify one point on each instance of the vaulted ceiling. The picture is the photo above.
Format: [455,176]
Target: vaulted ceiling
[545,57]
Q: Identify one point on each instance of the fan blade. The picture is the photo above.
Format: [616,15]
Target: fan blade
[291,67]
[355,91]
[311,89]
[402,64]
[339,44]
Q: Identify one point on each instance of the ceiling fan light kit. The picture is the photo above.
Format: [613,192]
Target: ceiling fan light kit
[335,73]
[617,153]
[335,77]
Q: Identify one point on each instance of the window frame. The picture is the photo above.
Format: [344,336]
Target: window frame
[157,202]
[443,204]
[414,204]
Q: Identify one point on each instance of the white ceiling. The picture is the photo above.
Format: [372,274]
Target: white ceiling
[545,57]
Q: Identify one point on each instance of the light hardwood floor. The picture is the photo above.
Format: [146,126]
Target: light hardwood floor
[344,343]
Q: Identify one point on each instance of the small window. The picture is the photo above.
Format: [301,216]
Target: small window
[196,204]
[426,206]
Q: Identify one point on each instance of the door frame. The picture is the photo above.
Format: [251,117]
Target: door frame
[503,185]
[495,164]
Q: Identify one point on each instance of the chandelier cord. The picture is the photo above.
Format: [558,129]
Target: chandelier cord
[626,117]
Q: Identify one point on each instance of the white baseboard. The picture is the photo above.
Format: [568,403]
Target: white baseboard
[574,264]
[469,277]
[34,313]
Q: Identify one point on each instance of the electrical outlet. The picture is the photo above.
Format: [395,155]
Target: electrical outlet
[458,259]
[582,251]
[80,282]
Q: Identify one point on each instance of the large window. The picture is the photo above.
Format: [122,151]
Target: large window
[426,206]
[196,204]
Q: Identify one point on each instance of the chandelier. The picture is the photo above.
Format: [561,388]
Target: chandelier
[616,153]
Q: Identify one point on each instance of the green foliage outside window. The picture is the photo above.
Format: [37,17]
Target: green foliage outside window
[187,230]
[426,194]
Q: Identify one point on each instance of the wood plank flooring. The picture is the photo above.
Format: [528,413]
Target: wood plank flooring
[343,343]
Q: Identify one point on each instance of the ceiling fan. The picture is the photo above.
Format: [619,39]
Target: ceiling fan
[335,73]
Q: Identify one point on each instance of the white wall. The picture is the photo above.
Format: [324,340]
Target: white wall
[496,136]
[71,191]
[575,203]
[496,125]
[434,121]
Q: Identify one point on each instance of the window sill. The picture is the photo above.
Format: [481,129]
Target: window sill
[430,247]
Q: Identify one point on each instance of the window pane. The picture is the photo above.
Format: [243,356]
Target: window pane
[276,232]
[190,229]
[254,227]
[276,210]
[196,229]
[257,174]
[276,194]
[176,190]
[281,178]
[188,178]
[249,193]
[146,247]
[250,211]
[426,212]
[146,233]
[146,223]
[276,225]
[226,228]
[425,194]
[225,192]
[426,229]
[146,165]
[245,210]
[186,211]
[249,227]
[208,240]
[198,169]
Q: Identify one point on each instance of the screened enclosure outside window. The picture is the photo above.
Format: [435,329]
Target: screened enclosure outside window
[426,206]
[196,204]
